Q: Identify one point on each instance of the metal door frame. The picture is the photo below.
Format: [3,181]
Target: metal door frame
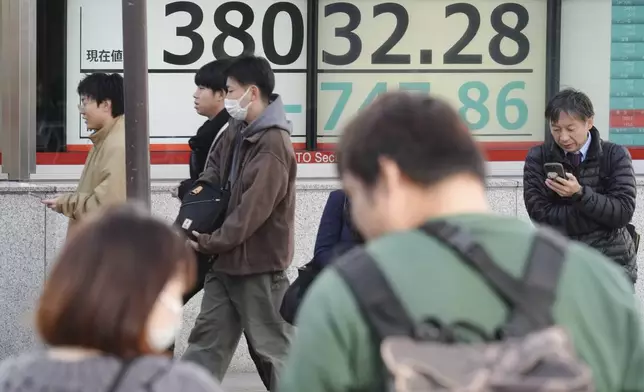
[18,88]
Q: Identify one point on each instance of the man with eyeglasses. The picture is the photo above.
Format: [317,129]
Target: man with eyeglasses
[103,179]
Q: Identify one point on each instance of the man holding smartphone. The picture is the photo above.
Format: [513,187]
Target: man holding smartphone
[102,182]
[582,185]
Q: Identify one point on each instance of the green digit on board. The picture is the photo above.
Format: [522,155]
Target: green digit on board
[503,102]
[477,105]
[379,88]
[346,88]
[423,87]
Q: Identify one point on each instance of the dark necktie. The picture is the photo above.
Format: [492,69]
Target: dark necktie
[575,159]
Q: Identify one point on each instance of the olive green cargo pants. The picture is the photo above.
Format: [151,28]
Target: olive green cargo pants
[233,305]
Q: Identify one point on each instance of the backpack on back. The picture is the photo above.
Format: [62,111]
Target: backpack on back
[529,353]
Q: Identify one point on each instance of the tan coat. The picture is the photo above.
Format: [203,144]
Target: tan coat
[103,180]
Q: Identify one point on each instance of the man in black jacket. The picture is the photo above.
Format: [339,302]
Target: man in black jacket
[595,202]
[209,102]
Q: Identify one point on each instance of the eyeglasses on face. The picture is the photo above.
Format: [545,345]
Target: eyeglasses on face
[83,104]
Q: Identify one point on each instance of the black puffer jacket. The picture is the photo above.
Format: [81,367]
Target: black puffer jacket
[599,216]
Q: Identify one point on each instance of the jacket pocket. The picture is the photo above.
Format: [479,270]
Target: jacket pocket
[278,280]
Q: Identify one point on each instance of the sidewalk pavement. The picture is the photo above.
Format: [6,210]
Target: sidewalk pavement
[243,382]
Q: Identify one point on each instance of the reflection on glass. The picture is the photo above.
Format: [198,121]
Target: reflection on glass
[50,94]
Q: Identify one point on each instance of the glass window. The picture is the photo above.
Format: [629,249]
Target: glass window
[51,77]
[487,57]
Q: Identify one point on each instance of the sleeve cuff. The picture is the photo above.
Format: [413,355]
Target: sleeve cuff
[60,203]
[580,195]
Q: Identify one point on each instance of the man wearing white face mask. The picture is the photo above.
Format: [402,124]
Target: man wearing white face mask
[254,245]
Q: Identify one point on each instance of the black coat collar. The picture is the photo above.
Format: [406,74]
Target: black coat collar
[208,131]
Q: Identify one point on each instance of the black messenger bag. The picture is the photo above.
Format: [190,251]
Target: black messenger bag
[203,208]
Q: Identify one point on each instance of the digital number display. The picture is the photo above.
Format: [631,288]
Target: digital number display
[182,37]
[486,57]
[234,39]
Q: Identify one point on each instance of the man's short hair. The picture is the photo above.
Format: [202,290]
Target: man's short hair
[107,280]
[213,76]
[572,102]
[101,87]
[253,70]
[424,136]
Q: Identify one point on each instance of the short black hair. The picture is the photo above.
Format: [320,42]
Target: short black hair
[572,102]
[213,75]
[423,135]
[253,70]
[102,87]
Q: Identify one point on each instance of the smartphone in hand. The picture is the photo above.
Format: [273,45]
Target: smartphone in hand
[554,170]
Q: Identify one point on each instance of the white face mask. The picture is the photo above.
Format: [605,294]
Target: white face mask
[234,108]
[162,337]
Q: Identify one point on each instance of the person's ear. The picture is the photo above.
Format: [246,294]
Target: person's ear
[106,106]
[256,94]
[590,122]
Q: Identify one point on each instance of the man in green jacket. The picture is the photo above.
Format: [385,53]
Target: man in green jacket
[406,160]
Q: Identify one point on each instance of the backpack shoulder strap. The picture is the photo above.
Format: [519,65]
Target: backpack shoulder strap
[530,298]
[460,241]
[541,279]
[218,136]
[214,143]
[378,304]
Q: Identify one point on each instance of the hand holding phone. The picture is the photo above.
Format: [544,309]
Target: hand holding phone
[554,170]
[567,186]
